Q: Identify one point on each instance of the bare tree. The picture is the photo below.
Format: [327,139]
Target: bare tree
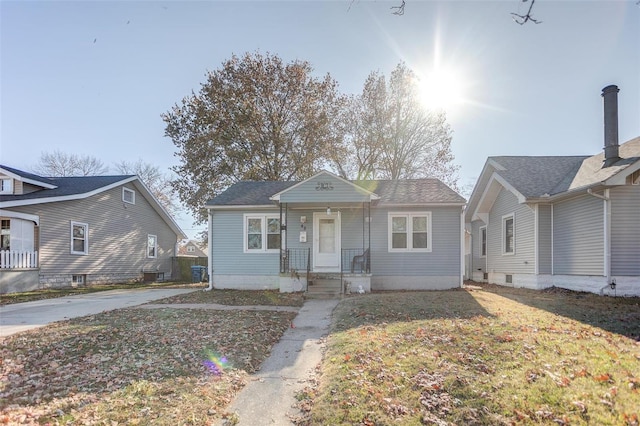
[159,183]
[390,135]
[523,19]
[518,18]
[60,164]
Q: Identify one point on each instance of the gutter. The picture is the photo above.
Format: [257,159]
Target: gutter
[607,236]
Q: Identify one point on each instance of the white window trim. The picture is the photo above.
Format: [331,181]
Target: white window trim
[263,218]
[133,195]
[8,188]
[86,238]
[409,216]
[504,234]
[155,248]
[486,241]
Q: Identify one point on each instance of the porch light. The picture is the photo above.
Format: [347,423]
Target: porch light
[328,211]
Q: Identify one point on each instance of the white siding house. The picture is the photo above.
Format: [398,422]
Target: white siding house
[564,221]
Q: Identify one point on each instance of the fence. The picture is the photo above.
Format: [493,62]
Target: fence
[18,259]
[181,267]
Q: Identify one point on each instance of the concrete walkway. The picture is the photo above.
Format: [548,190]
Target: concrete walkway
[26,316]
[269,397]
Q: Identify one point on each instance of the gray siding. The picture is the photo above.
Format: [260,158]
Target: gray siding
[625,230]
[523,260]
[578,230]
[340,191]
[227,241]
[117,235]
[479,262]
[443,260]
[544,239]
[227,247]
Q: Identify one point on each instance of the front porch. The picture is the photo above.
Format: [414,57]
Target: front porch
[354,275]
[19,271]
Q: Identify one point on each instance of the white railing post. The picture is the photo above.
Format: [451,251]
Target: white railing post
[18,259]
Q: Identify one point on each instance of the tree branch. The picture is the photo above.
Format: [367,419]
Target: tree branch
[399,10]
[523,19]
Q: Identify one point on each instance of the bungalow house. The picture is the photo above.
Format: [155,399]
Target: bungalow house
[330,232]
[69,231]
[191,248]
[566,221]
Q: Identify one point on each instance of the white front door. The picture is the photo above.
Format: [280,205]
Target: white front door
[326,242]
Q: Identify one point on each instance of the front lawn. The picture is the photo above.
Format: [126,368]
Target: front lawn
[485,357]
[136,366]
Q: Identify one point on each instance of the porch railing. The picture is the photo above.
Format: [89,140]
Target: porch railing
[356,260]
[18,259]
[297,259]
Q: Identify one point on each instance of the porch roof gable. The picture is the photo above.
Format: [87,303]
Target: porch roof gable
[324,187]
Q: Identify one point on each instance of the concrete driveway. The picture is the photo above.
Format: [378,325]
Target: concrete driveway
[25,316]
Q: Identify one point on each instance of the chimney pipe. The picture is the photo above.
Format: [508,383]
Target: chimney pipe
[610,95]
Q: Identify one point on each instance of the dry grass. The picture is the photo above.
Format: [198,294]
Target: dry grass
[135,366]
[238,298]
[494,356]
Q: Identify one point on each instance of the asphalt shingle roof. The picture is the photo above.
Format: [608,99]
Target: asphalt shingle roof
[536,176]
[412,191]
[27,175]
[67,186]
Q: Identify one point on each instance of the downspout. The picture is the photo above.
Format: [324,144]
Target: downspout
[210,249]
[462,247]
[607,236]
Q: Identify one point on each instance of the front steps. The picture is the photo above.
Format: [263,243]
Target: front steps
[324,286]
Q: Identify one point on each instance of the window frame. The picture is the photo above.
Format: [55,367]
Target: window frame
[8,189]
[85,239]
[126,190]
[505,219]
[483,241]
[264,232]
[409,232]
[155,246]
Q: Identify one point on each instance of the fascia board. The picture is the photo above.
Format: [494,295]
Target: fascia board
[27,180]
[44,200]
[393,205]
[620,178]
[489,189]
[20,215]
[372,196]
[242,207]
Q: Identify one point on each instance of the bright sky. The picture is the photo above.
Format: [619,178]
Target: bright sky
[93,77]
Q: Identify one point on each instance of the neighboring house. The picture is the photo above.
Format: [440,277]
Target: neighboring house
[367,235]
[191,249]
[564,221]
[81,230]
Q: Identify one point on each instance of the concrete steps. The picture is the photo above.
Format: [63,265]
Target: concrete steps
[324,288]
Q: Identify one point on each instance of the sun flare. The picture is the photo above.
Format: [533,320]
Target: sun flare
[441,89]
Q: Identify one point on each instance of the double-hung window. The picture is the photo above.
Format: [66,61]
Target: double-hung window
[508,234]
[483,241]
[410,231]
[261,233]
[79,238]
[152,246]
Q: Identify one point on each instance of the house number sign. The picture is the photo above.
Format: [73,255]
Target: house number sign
[324,186]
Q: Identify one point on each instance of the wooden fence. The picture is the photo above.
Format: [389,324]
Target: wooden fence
[181,266]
